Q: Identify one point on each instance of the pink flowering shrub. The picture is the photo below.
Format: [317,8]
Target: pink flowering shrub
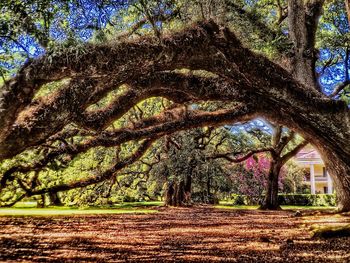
[252,176]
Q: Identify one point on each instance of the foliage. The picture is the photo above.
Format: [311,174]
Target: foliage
[333,42]
[56,28]
[308,199]
[187,155]
[28,28]
[250,178]
[238,199]
[318,200]
[294,179]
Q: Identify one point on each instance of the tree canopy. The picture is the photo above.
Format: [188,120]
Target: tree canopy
[72,94]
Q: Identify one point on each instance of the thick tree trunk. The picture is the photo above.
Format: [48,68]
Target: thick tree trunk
[271,197]
[54,199]
[330,133]
[169,193]
[179,193]
[188,189]
[338,166]
[208,185]
[179,196]
[302,22]
[347,7]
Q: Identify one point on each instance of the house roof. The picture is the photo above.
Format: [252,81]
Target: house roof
[307,155]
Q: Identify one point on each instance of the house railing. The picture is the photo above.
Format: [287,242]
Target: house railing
[317,179]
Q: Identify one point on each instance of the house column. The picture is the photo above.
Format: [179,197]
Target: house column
[312,179]
[329,184]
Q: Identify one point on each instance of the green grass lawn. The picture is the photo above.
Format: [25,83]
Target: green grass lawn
[29,209]
[139,204]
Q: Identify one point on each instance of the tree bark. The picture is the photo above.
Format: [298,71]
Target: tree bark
[332,143]
[339,170]
[54,199]
[271,197]
[179,193]
[302,22]
[188,189]
[169,193]
[208,185]
[347,7]
[179,196]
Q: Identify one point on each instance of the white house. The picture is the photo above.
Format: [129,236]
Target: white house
[319,179]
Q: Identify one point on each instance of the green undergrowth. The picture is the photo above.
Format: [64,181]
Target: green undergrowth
[288,199]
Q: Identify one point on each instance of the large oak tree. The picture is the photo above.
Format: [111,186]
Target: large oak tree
[203,62]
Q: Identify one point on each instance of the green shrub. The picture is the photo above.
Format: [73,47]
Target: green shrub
[239,200]
[204,198]
[255,200]
[289,199]
[128,198]
[307,199]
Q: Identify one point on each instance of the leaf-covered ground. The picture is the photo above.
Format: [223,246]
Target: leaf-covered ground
[201,234]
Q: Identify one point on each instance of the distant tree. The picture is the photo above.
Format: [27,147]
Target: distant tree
[280,145]
[188,174]
[294,179]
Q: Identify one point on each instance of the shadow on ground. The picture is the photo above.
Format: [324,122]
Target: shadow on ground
[183,234]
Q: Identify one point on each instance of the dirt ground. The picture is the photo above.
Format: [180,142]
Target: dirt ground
[182,234]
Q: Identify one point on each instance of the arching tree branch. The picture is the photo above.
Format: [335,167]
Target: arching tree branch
[168,122]
[242,158]
[109,173]
[292,153]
